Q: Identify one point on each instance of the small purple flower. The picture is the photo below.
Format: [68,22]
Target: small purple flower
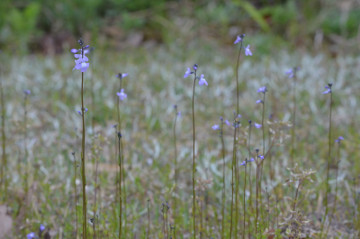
[328,87]
[290,73]
[239,38]
[247,51]
[259,101]
[27,92]
[215,127]
[31,235]
[262,89]
[187,73]
[227,123]
[243,163]
[195,67]
[238,116]
[202,80]
[261,157]
[81,62]
[122,75]
[251,160]
[258,126]
[338,140]
[41,228]
[85,110]
[74,51]
[121,94]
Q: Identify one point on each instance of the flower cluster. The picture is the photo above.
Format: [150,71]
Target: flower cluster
[32,235]
[240,38]
[188,72]
[338,140]
[122,95]
[80,113]
[81,62]
[328,89]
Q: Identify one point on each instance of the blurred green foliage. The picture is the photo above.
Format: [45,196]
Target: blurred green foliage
[23,23]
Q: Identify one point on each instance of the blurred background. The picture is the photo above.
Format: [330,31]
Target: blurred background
[50,27]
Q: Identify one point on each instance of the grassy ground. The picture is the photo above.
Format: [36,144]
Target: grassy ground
[155,83]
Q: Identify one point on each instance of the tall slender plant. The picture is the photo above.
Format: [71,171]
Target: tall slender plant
[328,91]
[82,65]
[202,81]
[121,177]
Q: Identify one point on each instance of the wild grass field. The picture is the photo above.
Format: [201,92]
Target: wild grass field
[287,193]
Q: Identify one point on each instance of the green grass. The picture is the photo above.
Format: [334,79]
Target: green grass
[155,83]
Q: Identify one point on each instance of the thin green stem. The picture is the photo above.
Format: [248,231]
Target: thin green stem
[328,165]
[75,196]
[250,184]
[237,80]
[232,179]
[120,186]
[193,163]
[224,185]
[3,144]
[83,175]
[244,208]
[175,169]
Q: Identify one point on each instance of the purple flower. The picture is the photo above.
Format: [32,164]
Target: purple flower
[259,101]
[290,73]
[81,62]
[31,235]
[195,67]
[215,127]
[187,73]
[262,89]
[251,160]
[238,116]
[260,156]
[121,94]
[85,110]
[328,87]
[247,51]
[338,140]
[202,80]
[122,75]
[243,163]
[239,38]
[258,126]
[41,228]
[27,92]
[227,122]
[74,51]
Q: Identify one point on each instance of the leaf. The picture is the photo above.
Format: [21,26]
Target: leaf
[254,14]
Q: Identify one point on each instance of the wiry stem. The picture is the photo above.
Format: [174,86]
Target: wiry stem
[75,196]
[233,175]
[250,184]
[294,120]
[83,156]
[175,170]
[193,163]
[237,80]
[120,187]
[3,144]
[328,164]
[223,179]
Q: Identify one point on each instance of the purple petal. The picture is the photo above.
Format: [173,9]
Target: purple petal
[215,127]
